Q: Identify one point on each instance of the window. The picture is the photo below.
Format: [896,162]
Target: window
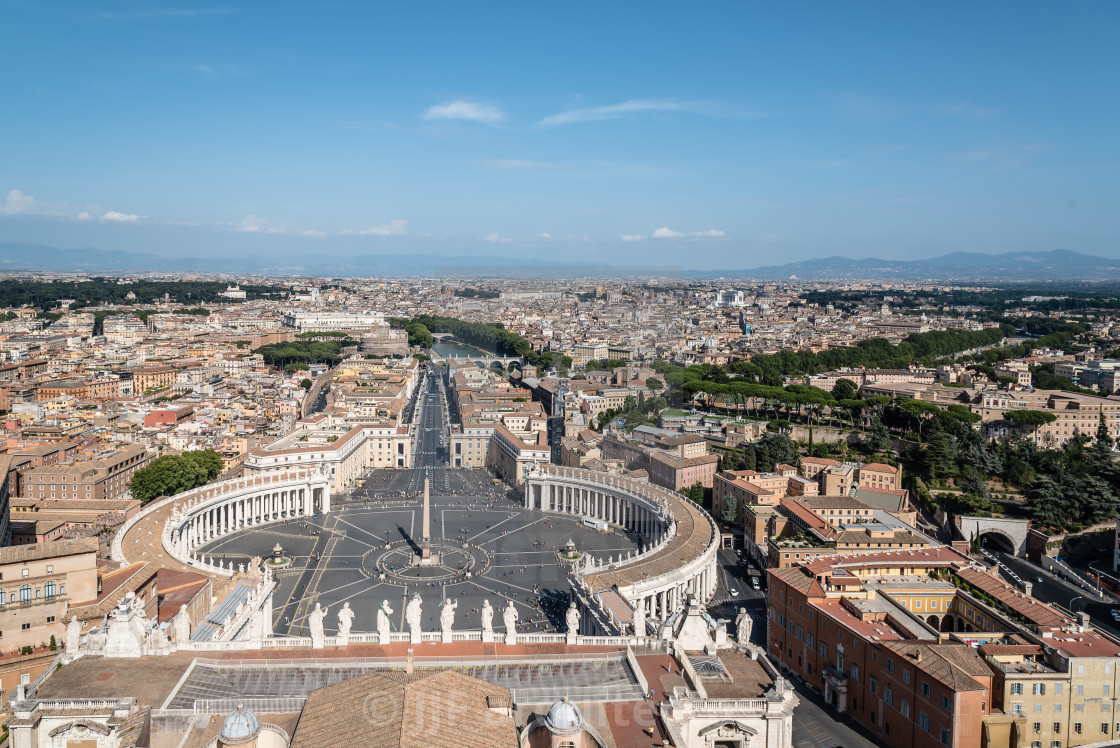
[924,688]
[873,686]
[1058,688]
[923,721]
[890,665]
[1057,727]
[946,736]
[1016,689]
[905,708]
[946,703]
[888,695]
[1106,689]
[1077,727]
[905,676]
[1017,708]
[25,593]
[48,589]
[1038,689]
[1038,727]
[26,573]
[25,627]
[1080,687]
[50,619]
[1104,728]
[1038,707]
[855,673]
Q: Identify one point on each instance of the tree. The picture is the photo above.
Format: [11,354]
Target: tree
[306,384]
[654,385]
[694,493]
[918,410]
[1025,418]
[845,389]
[172,474]
[939,456]
[1102,445]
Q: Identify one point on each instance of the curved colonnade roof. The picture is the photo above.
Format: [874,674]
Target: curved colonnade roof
[693,536]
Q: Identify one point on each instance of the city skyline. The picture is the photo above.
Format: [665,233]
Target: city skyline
[733,137]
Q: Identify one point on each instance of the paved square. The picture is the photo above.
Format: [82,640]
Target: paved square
[341,557]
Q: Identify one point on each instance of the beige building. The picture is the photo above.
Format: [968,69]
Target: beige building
[106,477]
[39,583]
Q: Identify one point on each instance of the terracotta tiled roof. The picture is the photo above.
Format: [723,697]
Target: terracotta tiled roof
[954,665]
[1033,610]
[420,710]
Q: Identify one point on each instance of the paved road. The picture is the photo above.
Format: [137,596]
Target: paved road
[1063,593]
[815,725]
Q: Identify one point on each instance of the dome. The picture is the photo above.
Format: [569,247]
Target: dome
[564,717]
[240,725]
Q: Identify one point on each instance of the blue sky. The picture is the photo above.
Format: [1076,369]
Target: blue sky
[708,135]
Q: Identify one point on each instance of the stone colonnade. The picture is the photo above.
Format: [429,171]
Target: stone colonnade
[638,507]
[233,505]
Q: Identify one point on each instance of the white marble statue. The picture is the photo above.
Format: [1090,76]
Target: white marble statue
[572,618]
[384,626]
[640,619]
[509,617]
[73,634]
[413,615]
[487,616]
[182,623]
[743,625]
[345,620]
[315,623]
[447,615]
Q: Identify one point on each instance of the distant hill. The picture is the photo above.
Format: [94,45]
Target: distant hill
[1056,264]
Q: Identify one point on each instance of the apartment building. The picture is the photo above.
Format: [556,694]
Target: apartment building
[105,477]
[674,461]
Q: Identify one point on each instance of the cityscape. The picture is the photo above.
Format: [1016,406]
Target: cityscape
[516,377]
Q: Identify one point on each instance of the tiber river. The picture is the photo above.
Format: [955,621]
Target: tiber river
[455,348]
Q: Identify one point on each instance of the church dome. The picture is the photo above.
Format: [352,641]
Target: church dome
[564,718]
[240,726]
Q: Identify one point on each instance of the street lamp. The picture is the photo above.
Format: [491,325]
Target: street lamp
[1071,602]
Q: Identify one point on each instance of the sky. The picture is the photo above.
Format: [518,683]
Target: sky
[703,135]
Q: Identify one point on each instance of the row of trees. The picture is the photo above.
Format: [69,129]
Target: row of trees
[16,293]
[304,351]
[172,474]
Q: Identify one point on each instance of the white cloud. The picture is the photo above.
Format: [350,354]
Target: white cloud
[667,233]
[709,234]
[615,111]
[965,109]
[16,202]
[632,237]
[84,216]
[468,110]
[118,217]
[249,224]
[394,227]
[491,237]
[313,233]
[276,230]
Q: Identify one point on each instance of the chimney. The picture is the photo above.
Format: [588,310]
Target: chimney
[408,664]
[1084,618]
[1027,587]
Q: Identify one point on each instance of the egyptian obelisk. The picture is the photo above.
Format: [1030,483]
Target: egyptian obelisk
[426,543]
